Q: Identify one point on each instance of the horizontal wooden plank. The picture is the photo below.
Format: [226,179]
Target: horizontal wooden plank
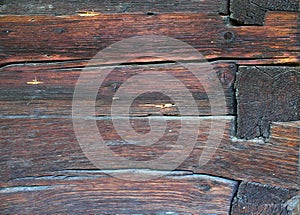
[252,12]
[97,193]
[274,162]
[31,147]
[254,198]
[48,7]
[77,37]
[266,94]
[53,96]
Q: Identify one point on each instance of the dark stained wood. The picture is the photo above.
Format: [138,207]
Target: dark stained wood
[31,147]
[275,162]
[50,144]
[264,95]
[42,166]
[54,96]
[252,12]
[77,37]
[92,192]
[48,7]
[254,198]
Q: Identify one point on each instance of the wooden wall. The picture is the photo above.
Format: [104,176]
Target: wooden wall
[253,48]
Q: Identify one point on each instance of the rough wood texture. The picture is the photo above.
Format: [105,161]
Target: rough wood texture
[50,7]
[76,37]
[275,162]
[28,143]
[252,12]
[254,198]
[92,192]
[29,149]
[293,205]
[264,95]
[42,167]
[54,96]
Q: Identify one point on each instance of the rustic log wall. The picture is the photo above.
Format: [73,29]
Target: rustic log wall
[253,48]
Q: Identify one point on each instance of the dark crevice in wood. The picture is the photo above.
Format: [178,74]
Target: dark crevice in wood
[4,65]
[230,59]
[234,196]
[133,63]
[238,61]
[173,117]
[147,63]
[206,174]
[235,103]
[93,173]
[149,13]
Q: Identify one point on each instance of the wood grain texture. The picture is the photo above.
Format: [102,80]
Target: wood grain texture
[265,95]
[49,7]
[254,198]
[44,170]
[50,144]
[252,12]
[90,192]
[54,96]
[76,37]
[31,147]
[275,162]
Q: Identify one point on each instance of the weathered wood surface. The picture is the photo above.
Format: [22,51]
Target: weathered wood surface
[41,161]
[254,198]
[54,96]
[275,162]
[29,149]
[49,7]
[253,12]
[77,37]
[266,94]
[92,192]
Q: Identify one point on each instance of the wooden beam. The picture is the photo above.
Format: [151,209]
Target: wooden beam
[95,192]
[266,94]
[77,37]
[254,198]
[50,145]
[48,7]
[53,96]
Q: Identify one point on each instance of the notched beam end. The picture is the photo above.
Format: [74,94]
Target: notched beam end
[266,94]
[253,12]
[255,198]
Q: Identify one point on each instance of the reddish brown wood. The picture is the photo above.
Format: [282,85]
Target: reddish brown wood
[77,37]
[43,169]
[54,96]
[266,94]
[92,192]
[50,145]
[253,198]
